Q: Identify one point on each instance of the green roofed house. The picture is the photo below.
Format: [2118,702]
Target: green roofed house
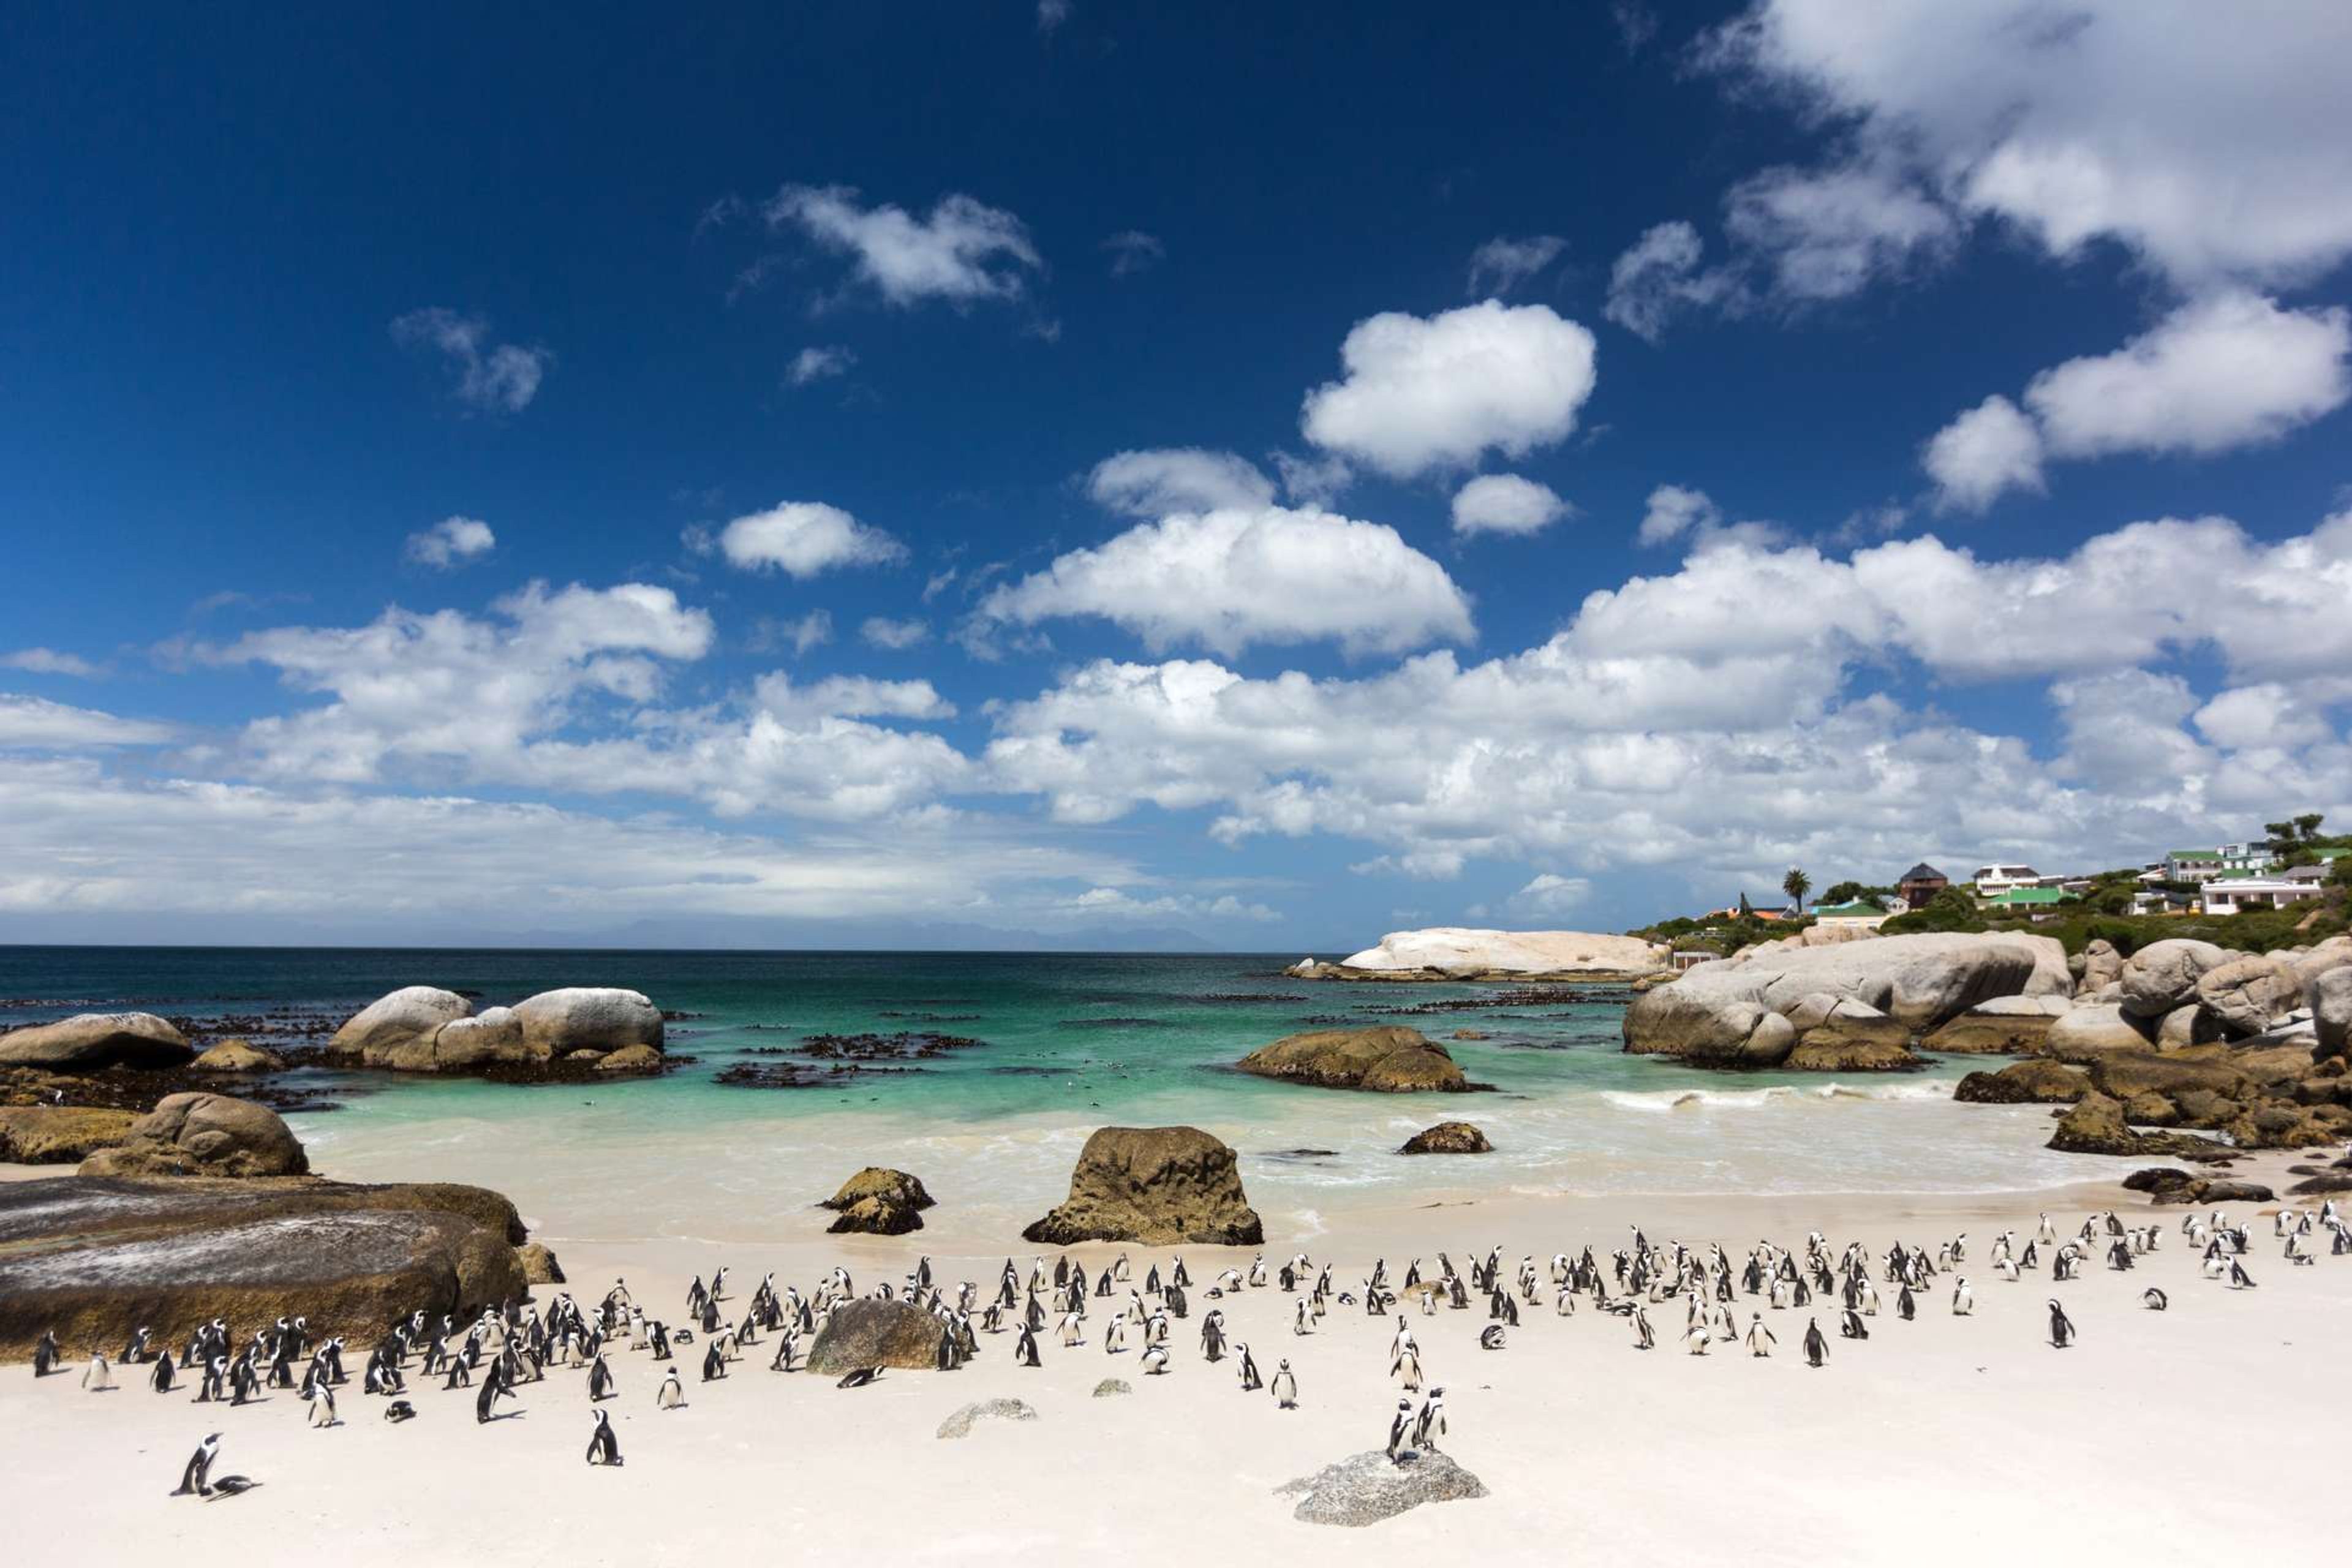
[2030,899]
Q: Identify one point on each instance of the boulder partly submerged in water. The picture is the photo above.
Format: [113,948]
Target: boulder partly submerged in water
[95,1258]
[1158,1185]
[203,1135]
[1741,1011]
[422,1028]
[1387,1059]
[1448,1138]
[1365,1489]
[878,1202]
[88,1042]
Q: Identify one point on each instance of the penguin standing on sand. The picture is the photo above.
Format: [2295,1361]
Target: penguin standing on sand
[322,1404]
[600,1379]
[1155,1360]
[1285,1387]
[714,1365]
[493,1385]
[1213,1335]
[2239,1278]
[1644,1337]
[2062,1326]
[1250,1384]
[1405,1366]
[98,1377]
[161,1379]
[1026,1353]
[1964,1301]
[45,1355]
[604,1449]
[1760,1340]
[1851,1327]
[672,1393]
[194,1480]
[1817,1347]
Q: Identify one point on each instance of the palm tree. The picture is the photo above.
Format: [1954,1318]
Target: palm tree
[1796,884]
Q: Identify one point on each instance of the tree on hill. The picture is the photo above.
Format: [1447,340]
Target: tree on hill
[2307,825]
[1851,893]
[1795,884]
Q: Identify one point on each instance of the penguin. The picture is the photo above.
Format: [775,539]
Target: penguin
[1405,1367]
[1643,1338]
[1026,1353]
[1155,1360]
[1213,1336]
[1430,1425]
[492,1386]
[98,1377]
[194,1480]
[161,1379]
[323,1405]
[1964,1301]
[714,1365]
[604,1447]
[399,1410]
[1285,1387]
[860,1378]
[1817,1347]
[1851,1327]
[2154,1299]
[1760,1340]
[2239,1278]
[45,1355]
[2062,1326]
[1490,1337]
[671,1395]
[600,1380]
[1303,1320]
[1401,1427]
[1250,1384]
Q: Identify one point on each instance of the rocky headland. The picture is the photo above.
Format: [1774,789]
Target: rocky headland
[1466,953]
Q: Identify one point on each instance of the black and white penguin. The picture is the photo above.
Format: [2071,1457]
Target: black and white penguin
[1760,1340]
[2154,1299]
[1401,1427]
[399,1410]
[714,1365]
[1644,1337]
[1430,1425]
[322,1404]
[600,1379]
[1285,1387]
[160,1380]
[99,1376]
[1025,1353]
[493,1385]
[604,1447]
[1490,1337]
[1250,1384]
[2239,1278]
[1851,1326]
[2062,1326]
[1817,1347]
[860,1378]
[194,1480]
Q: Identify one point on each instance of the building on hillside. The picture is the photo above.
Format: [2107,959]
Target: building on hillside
[1921,883]
[1860,915]
[2236,895]
[2157,902]
[2039,903]
[1994,881]
[2312,873]
[2197,865]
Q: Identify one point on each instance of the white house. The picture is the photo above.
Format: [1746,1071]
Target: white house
[1994,881]
[2234,895]
[2196,864]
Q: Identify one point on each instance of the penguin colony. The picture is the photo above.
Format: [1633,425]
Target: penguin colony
[498,1355]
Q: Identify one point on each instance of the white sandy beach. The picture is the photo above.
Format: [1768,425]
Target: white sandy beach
[1943,1440]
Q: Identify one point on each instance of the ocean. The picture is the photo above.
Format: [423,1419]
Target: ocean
[1059,1044]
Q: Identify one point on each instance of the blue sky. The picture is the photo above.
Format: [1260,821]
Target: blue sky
[1117,475]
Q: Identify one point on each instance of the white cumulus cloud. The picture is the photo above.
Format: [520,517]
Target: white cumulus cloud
[451,541]
[1442,390]
[962,252]
[802,539]
[1506,504]
[492,378]
[1163,479]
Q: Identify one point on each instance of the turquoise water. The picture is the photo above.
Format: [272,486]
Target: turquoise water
[1067,1043]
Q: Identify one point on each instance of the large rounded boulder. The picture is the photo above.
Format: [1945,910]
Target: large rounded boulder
[2164,975]
[587,1018]
[203,1135]
[89,1041]
[2006,1026]
[1158,1185]
[1448,1138]
[1390,1060]
[2029,1082]
[2330,998]
[2087,1034]
[398,1030]
[2247,995]
[874,1332]
[878,1202]
[1710,1032]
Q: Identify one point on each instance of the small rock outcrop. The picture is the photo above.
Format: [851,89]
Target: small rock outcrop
[1365,1489]
[2097,1126]
[538,1264]
[2085,1034]
[580,1030]
[2029,1082]
[1388,1060]
[397,1029]
[236,1056]
[1111,1387]
[878,1202]
[587,1018]
[1448,1138]
[872,1333]
[1158,1185]
[960,1424]
[203,1135]
[88,1042]
[60,1134]
[2330,997]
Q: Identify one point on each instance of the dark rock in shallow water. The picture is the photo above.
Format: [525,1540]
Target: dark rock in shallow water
[960,1424]
[872,1333]
[1389,1059]
[1365,1489]
[1448,1138]
[94,1258]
